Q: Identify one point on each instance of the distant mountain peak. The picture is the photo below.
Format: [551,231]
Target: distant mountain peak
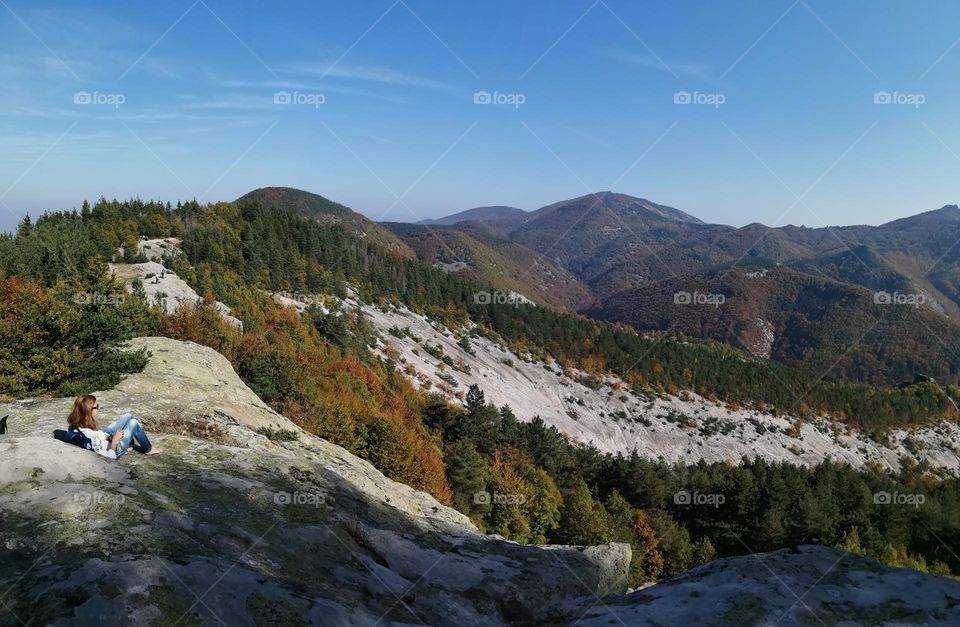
[481,214]
[621,203]
[947,214]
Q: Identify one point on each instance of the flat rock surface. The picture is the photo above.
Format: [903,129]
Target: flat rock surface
[226,526]
[809,585]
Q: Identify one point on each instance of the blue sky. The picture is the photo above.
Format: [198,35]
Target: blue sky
[784,124]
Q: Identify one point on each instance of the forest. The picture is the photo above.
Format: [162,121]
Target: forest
[523,480]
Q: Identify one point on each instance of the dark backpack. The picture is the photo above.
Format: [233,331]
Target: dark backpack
[74,437]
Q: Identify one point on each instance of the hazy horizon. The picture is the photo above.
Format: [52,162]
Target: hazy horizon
[792,113]
[373,214]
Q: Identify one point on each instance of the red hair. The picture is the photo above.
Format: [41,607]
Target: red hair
[82,413]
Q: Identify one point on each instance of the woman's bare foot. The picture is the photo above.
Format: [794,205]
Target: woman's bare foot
[153,451]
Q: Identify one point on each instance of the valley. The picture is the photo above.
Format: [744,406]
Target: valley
[533,424]
[881,287]
[405,313]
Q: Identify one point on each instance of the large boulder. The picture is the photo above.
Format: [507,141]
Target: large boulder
[806,585]
[227,526]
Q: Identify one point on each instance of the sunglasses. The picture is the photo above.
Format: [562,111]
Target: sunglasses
[95,407]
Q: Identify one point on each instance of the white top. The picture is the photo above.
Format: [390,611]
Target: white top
[101,442]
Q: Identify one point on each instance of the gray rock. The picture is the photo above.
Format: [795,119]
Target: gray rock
[808,585]
[227,526]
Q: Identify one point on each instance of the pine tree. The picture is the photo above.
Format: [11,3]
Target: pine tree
[702,552]
[678,552]
[851,542]
[475,400]
[467,474]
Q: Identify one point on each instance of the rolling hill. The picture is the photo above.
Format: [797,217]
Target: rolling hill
[633,255]
[392,358]
[501,219]
[476,253]
[800,319]
[801,296]
[327,211]
[590,233]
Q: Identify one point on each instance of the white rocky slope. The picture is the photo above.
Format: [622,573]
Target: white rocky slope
[161,285]
[614,420]
[685,429]
[229,527]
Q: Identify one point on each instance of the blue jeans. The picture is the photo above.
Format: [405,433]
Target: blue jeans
[131,429]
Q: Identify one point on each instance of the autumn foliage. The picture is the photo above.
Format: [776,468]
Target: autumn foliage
[323,388]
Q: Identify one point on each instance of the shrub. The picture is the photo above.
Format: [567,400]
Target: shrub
[279,435]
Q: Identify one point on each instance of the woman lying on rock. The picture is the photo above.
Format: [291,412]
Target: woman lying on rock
[112,441]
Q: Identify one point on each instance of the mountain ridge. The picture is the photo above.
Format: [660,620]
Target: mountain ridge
[342,365]
[481,214]
[614,243]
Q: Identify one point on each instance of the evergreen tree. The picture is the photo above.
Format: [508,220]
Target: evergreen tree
[678,553]
[475,400]
[468,475]
[702,552]
[584,520]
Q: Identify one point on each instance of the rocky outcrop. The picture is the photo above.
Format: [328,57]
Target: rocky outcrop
[809,585]
[227,525]
[161,285]
[230,527]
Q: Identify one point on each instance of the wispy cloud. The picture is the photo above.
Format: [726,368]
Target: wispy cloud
[257,84]
[302,85]
[366,73]
[231,101]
